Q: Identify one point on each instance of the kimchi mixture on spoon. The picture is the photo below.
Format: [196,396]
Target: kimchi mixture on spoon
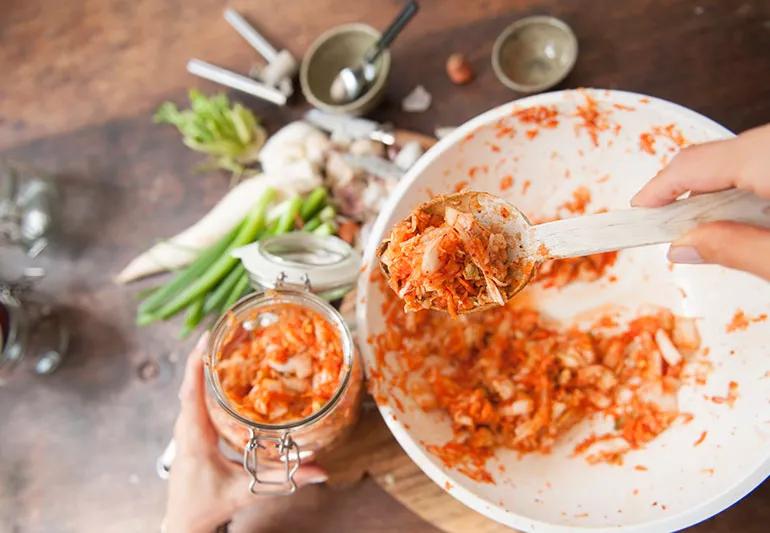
[446,256]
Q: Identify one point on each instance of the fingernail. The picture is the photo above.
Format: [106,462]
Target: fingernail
[200,346]
[684,254]
[633,200]
[317,478]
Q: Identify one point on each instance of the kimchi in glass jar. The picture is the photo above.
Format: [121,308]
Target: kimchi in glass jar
[283,375]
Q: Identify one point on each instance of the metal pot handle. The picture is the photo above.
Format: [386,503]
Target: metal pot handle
[288,451]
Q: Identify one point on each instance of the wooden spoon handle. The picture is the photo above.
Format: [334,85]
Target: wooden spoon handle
[629,228]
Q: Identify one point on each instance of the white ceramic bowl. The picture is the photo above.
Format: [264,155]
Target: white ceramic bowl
[684,484]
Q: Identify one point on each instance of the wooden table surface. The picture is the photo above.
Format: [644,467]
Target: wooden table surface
[80,81]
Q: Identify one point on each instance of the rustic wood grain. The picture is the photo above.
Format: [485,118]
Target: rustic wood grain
[80,83]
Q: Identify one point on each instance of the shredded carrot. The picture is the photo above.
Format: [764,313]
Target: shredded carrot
[460,185]
[525,186]
[281,371]
[700,439]
[741,321]
[647,143]
[453,263]
[505,131]
[541,116]
[670,131]
[580,199]
[506,182]
[508,377]
[594,120]
[730,398]
[559,273]
[641,468]
[476,169]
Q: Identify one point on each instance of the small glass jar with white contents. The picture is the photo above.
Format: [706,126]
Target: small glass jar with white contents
[271,394]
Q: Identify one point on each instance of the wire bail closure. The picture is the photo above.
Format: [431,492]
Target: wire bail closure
[281,283]
[286,449]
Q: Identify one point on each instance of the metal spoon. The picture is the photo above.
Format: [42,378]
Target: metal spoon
[351,82]
[530,245]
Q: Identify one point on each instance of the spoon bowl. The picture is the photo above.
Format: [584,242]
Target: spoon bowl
[350,83]
[496,215]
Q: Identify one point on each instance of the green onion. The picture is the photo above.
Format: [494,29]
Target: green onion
[241,287]
[312,224]
[327,214]
[216,299]
[186,276]
[289,217]
[193,317]
[252,226]
[313,203]
[325,229]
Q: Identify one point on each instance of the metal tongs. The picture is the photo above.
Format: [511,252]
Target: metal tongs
[273,82]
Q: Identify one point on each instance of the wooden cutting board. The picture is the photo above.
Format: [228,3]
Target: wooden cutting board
[371,450]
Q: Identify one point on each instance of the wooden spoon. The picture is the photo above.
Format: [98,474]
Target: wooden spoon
[591,234]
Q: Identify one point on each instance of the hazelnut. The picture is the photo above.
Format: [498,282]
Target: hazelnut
[458,69]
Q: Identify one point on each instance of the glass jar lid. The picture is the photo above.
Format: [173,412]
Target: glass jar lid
[318,263]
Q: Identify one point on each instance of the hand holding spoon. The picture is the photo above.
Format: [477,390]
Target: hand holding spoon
[529,245]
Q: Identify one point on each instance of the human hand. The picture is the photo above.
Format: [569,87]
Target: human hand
[205,489]
[743,163]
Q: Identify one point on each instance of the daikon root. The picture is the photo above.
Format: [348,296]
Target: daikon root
[183,248]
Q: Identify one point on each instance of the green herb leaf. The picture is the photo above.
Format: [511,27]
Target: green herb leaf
[229,134]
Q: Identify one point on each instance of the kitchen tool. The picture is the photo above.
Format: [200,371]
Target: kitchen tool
[377,166]
[677,484]
[592,234]
[351,82]
[236,81]
[351,127]
[281,66]
[534,54]
[334,50]
[274,83]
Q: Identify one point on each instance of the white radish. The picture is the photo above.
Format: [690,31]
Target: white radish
[184,247]
[667,348]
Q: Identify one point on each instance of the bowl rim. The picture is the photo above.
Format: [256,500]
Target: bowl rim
[686,518]
[518,25]
[362,101]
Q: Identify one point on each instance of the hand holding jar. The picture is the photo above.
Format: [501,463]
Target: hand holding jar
[205,488]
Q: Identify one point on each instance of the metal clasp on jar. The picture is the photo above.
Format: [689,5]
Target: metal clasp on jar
[288,453]
[280,283]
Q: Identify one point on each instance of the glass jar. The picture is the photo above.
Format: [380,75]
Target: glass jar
[27,207]
[31,334]
[288,270]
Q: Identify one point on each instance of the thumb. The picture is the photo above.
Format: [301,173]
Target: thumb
[194,431]
[730,244]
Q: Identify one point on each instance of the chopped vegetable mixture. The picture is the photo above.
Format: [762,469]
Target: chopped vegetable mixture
[282,370]
[451,263]
[509,377]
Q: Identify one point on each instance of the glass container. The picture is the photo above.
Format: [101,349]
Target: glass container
[289,270]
